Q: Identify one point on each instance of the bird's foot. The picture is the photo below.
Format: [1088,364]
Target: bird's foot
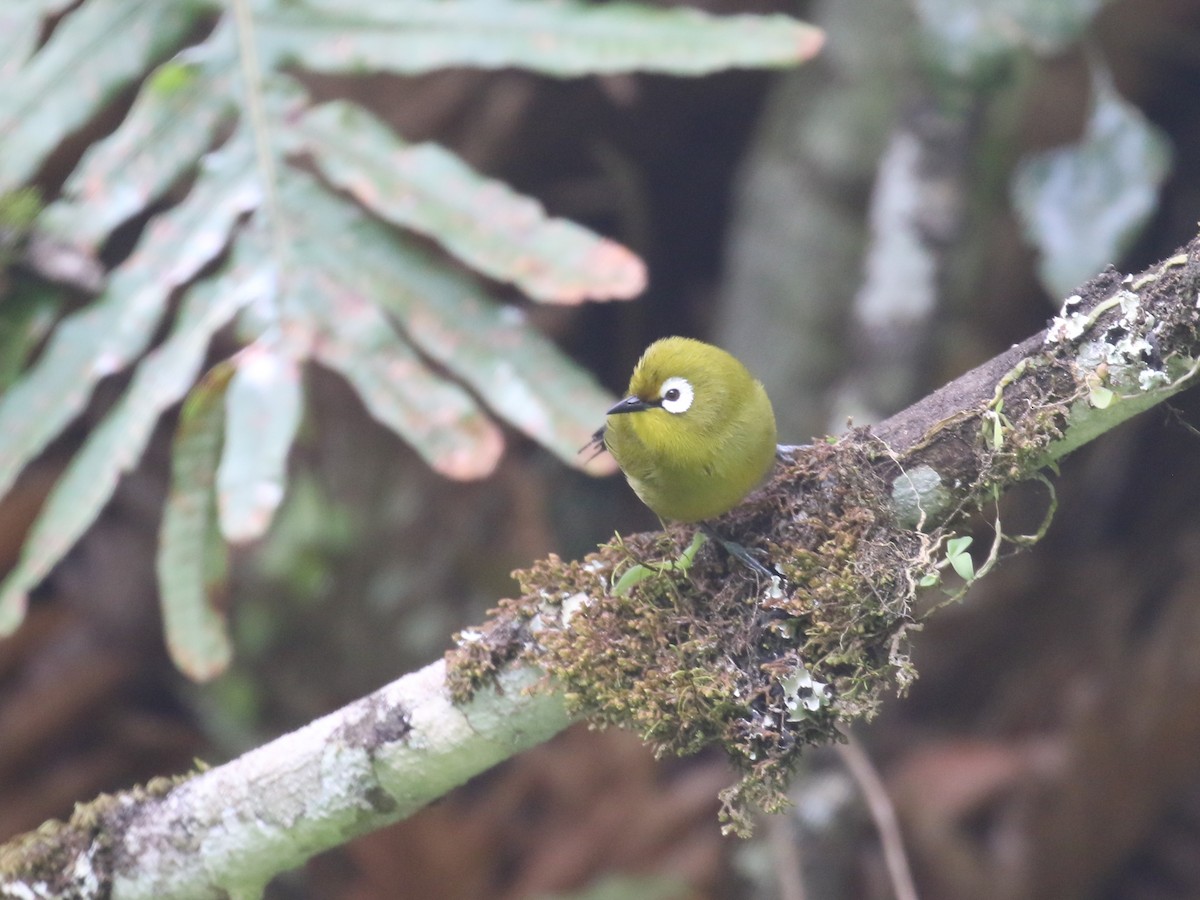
[738,551]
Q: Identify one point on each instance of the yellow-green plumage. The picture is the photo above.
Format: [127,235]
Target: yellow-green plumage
[700,461]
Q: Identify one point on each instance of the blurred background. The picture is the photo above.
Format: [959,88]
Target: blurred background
[859,231]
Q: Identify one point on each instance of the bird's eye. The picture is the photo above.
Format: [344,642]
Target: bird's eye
[676,395]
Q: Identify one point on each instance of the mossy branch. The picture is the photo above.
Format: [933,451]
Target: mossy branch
[226,831]
[689,654]
[856,528]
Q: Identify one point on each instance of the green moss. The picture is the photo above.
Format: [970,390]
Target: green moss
[714,655]
[52,854]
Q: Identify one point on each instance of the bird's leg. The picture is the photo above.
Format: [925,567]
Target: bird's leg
[737,550]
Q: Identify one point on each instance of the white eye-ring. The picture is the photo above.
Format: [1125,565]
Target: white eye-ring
[676,395]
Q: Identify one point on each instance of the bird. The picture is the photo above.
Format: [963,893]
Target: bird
[694,435]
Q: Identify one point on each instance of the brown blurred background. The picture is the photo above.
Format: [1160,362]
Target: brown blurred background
[1051,747]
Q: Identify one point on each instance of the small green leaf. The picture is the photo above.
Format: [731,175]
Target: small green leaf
[262,412]
[481,221]
[993,429]
[1082,206]
[635,574]
[192,561]
[638,573]
[172,79]
[564,38]
[958,557]
[1100,397]
[686,560]
[963,565]
[957,545]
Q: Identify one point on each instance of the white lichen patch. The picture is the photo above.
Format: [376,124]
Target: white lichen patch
[804,694]
[774,589]
[1066,328]
[1124,362]
[1131,306]
[572,605]
[1152,379]
[1069,326]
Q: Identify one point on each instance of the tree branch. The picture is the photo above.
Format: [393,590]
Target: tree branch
[225,832]
[688,656]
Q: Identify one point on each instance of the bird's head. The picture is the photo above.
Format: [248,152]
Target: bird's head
[685,389]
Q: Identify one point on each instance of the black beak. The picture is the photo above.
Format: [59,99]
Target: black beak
[630,405]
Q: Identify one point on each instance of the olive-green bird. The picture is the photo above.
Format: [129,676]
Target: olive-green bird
[695,434]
